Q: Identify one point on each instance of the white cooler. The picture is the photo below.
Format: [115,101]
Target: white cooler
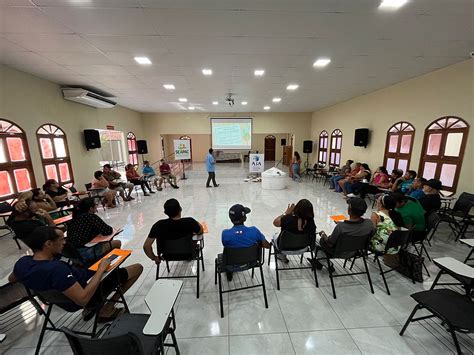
[274,179]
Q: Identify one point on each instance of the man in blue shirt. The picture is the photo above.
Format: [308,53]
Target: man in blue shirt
[211,169]
[241,236]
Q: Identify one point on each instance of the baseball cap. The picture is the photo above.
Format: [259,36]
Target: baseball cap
[357,205]
[434,184]
[172,207]
[237,212]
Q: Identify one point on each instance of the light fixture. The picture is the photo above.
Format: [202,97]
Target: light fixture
[183,99]
[244,103]
[259,72]
[207,71]
[321,62]
[142,60]
[215,102]
[169,86]
[276,99]
[392,4]
[292,87]
[191,108]
[266,107]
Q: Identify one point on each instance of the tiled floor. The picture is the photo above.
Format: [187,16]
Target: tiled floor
[301,319]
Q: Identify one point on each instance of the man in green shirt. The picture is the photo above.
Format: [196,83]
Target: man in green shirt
[412,213]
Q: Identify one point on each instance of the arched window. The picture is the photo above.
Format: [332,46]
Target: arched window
[336,145]
[323,147]
[443,151]
[398,146]
[132,148]
[16,170]
[190,147]
[55,154]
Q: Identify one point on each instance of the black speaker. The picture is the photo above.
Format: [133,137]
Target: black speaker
[283,141]
[142,148]
[361,137]
[92,138]
[307,146]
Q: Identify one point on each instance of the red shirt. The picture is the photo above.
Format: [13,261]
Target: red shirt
[132,174]
[165,168]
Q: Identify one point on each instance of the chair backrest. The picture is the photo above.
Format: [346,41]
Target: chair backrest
[348,246]
[397,239]
[88,186]
[127,343]
[71,253]
[178,249]
[431,221]
[288,241]
[246,257]
[5,207]
[11,295]
[464,203]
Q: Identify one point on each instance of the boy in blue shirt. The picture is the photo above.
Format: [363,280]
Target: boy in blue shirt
[416,190]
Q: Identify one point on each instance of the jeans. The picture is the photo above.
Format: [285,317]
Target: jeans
[333,181]
[295,168]
[211,176]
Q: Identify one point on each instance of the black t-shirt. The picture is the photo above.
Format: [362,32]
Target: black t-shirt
[24,228]
[86,227]
[430,203]
[289,223]
[168,229]
[54,194]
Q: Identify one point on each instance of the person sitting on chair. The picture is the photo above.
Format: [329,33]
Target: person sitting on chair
[136,179]
[431,201]
[297,219]
[404,183]
[355,226]
[99,182]
[345,170]
[112,176]
[241,236]
[340,183]
[416,190]
[44,271]
[150,174]
[357,182]
[58,193]
[43,201]
[85,226]
[165,173]
[173,227]
[412,213]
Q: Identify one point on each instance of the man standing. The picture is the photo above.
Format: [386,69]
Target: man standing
[211,169]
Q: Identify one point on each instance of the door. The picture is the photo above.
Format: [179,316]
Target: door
[270,143]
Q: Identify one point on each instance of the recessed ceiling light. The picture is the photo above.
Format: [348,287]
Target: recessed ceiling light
[244,103]
[169,86]
[321,62]
[191,108]
[259,72]
[183,99]
[215,102]
[292,87]
[142,60]
[392,4]
[266,107]
[207,71]
[276,99]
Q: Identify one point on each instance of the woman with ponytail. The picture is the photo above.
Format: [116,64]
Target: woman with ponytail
[386,220]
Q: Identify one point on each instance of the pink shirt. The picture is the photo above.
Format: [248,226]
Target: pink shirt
[379,177]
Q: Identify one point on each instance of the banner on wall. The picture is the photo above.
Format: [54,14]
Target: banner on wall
[182,149]
[256,163]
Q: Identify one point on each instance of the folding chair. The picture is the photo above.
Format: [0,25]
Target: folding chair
[457,270]
[432,220]
[397,239]
[238,260]
[453,309]
[182,249]
[74,257]
[347,247]
[293,244]
[458,217]
[469,243]
[95,194]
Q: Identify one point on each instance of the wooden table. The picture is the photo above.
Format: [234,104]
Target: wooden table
[62,220]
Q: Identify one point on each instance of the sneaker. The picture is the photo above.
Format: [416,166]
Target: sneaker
[351,195]
[216,185]
[159,188]
[146,194]
[229,275]
[316,263]
[152,192]
[208,186]
[283,258]
[175,186]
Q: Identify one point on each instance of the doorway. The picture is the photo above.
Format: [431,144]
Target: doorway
[270,142]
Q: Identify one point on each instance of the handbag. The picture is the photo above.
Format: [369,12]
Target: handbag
[411,265]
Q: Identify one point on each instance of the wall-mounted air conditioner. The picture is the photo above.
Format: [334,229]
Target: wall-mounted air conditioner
[86,97]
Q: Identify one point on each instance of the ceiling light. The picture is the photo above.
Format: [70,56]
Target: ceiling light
[292,87]
[276,99]
[207,71]
[169,86]
[392,4]
[215,102]
[321,62]
[191,108]
[142,60]
[266,107]
[244,103]
[183,99]
[259,72]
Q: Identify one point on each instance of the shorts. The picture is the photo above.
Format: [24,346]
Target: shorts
[91,253]
[117,277]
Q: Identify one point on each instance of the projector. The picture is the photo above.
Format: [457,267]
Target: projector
[229,99]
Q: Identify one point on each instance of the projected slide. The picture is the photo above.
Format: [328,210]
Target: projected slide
[231,133]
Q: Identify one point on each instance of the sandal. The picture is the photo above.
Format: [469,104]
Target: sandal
[117,312]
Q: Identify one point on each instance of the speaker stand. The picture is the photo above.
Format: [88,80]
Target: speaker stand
[306,165]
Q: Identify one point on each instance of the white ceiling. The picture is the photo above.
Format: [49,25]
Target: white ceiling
[93,42]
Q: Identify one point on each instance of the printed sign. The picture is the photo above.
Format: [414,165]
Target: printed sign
[256,163]
[182,149]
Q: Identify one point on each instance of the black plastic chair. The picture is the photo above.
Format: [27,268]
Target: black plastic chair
[4,208]
[74,257]
[238,260]
[181,249]
[95,194]
[457,270]
[455,311]
[458,217]
[397,239]
[288,244]
[417,238]
[347,247]
[432,220]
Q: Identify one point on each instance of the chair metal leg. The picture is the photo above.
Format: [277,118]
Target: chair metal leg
[221,303]
[383,275]
[157,272]
[423,248]
[331,278]
[270,253]
[313,257]
[175,342]
[43,329]
[368,273]
[263,286]
[253,272]
[436,280]
[197,284]
[167,266]
[16,241]
[215,272]
[202,260]
[276,270]
[352,264]
[417,307]
[455,340]
[301,258]
[469,256]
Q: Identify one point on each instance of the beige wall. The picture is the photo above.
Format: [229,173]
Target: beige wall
[30,102]
[178,124]
[200,144]
[448,91]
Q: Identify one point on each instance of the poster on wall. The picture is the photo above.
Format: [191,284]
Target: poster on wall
[182,149]
[256,163]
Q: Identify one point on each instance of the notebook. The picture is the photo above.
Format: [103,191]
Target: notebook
[204,227]
[121,255]
[339,218]
[103,238]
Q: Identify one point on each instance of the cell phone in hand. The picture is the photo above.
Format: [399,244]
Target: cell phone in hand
[112,257]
